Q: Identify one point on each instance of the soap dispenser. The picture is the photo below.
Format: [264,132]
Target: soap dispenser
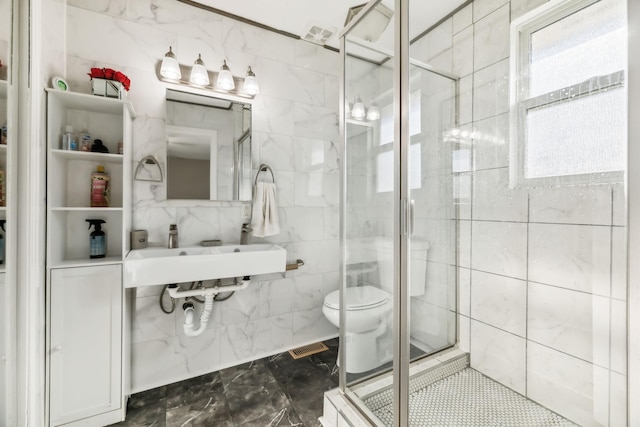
[97,239]
[2,223]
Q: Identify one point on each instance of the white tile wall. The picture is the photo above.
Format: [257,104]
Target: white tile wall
[491,36]
[571,256]
[575,323]
[499,248]
[571,387]
[499,301]
[491,90]
[572,205]
[295,132]
[491,142]
[482,8]
[539,268]
[494,200]
[462,19]
[499,355]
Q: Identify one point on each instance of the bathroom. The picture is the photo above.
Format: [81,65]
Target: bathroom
[296,131]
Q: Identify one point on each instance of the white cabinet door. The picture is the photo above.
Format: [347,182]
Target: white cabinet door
[85,342]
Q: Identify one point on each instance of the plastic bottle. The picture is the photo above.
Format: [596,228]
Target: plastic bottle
[97,239]
[3,190]
[84,140]
[2,223]
[100,188]
[69,141]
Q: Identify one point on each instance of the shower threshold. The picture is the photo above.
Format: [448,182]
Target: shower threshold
[447,392]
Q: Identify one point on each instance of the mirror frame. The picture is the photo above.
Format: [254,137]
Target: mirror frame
[191,90]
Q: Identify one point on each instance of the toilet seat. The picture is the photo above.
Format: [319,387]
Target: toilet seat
[358,298]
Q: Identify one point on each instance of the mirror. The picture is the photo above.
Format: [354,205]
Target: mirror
[208,148]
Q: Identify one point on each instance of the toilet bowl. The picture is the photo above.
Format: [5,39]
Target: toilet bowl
[366,307]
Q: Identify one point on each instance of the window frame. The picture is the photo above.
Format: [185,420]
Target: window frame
[520,102]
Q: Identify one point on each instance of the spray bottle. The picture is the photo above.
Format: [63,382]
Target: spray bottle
[97,239]
[2,223]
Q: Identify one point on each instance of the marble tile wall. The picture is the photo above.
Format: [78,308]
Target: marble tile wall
[295,132]
[542,290]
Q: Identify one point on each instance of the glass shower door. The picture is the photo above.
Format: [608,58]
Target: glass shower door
[371,216]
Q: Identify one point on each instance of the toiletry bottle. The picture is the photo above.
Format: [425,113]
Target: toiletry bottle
[69,141]
[100,188]
[2,223]
[3,191]
[84,140]
[97,239]
[99,147]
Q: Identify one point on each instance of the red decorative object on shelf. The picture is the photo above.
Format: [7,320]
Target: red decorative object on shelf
[110,74]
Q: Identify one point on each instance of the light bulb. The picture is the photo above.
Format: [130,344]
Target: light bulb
[358,111]
[170,69]
[251,83]
[373,113]
[225,78]
[199,74]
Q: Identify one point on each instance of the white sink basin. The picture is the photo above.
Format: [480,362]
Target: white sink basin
[160,266]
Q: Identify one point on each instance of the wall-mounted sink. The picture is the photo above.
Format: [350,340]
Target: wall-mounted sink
[160,266]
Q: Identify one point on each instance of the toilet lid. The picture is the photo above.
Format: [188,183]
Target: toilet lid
[358,298]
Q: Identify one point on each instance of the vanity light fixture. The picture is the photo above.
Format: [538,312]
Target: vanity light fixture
[225,78]
[358,112]
[170,68]
[373,113]
[199,74]
[171,71]
[251,83]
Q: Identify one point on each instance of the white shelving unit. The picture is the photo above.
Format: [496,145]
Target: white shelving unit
[69,172]
[73,276]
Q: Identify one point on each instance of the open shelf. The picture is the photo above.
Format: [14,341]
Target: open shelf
[83,101]
[88,262]
[83,209]
[88,156]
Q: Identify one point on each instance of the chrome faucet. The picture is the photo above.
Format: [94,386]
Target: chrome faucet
[245,233]
[173,236]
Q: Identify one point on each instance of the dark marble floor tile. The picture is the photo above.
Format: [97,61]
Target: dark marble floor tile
[250,402]
[275,391]
[195,389]
[206,413]
[146,409]
[246,374]
[286,417]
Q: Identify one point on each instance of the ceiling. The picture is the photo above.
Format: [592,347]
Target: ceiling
[298,16]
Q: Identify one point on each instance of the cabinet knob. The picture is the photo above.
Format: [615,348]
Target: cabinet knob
[56,349]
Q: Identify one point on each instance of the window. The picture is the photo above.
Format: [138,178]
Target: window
[568,100]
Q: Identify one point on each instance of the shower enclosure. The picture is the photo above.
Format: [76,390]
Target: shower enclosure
[483,188]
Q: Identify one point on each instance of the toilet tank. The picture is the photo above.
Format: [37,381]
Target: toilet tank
[417,265]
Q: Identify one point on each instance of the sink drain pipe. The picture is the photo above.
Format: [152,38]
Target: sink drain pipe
[209,295]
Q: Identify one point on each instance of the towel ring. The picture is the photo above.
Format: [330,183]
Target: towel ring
[263,168]
[148,160]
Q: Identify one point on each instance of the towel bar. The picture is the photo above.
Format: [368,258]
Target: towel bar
[295,265]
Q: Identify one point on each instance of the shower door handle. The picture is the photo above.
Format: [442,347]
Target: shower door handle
[412,216]
[407,217]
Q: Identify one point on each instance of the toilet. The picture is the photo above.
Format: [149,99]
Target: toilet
[368,307]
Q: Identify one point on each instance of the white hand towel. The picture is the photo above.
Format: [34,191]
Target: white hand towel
[264,219]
